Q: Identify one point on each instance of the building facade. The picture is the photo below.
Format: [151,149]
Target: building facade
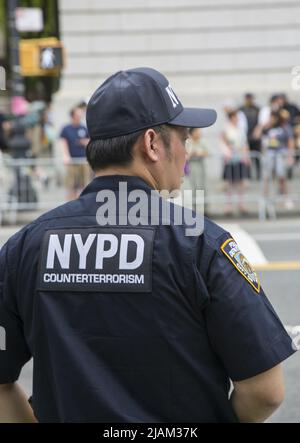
[209,50]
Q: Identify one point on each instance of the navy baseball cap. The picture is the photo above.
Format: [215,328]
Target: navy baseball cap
[137,99]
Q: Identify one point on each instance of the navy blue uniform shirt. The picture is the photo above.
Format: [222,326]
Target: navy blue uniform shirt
[132,323]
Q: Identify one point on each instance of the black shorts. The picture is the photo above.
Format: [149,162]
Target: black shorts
[235,172]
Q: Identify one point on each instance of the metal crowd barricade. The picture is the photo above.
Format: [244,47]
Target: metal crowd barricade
[255,199]
[34,185]
[274,200]
[6,207]
[38,185]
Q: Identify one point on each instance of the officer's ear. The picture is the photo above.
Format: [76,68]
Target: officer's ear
[151,145]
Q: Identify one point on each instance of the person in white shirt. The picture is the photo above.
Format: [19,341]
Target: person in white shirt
[235,151]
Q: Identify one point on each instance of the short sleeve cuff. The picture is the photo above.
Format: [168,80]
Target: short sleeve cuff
[272,355]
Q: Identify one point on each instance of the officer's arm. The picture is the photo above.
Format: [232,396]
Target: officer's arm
[14,407]
[256,398]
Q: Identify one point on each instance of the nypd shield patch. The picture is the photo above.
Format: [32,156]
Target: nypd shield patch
[234,254]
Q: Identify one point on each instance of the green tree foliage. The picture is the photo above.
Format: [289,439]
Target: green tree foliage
[2,29]
[37,88]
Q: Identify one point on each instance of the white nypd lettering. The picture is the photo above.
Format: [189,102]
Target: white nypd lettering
[107,247]
[83,248]
[108,253]
[172,95]
[126,238]
[62,253]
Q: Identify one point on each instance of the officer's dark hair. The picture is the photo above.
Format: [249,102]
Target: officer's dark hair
[117,151]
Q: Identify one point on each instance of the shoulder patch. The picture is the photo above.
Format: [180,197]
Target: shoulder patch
[234,254]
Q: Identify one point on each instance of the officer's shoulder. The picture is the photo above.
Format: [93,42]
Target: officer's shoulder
[211,241]
[213,233]
[210,233]
[64,211]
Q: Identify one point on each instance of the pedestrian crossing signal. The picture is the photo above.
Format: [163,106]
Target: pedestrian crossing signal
[41,57]
[50,58]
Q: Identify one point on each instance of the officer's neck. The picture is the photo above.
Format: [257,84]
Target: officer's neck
[131,171]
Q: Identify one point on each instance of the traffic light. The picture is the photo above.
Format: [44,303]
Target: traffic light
[41,57]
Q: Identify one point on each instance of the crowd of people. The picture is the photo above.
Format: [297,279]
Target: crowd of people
[30,133]
[255,143]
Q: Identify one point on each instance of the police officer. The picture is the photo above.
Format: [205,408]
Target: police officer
[136,322]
